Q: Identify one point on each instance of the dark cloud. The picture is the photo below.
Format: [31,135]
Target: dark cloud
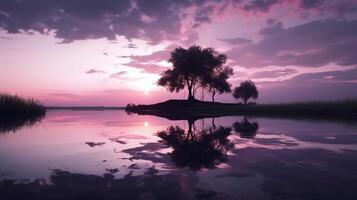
[260,5]
[311,3]
[90,19]
[94,71]
[203,15]
[313,44]
[331,85]
[270,21]
[339,7]
[236,41]
[273,29]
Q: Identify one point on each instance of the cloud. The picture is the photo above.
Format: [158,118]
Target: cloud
[118,74]
[271,30]
[311,3]
[339,7]
[274,73]
[125,56]
[260,5]
[313,44]
[5,38]
[236,41]
[313,86]
[131,46]
[70,20]
[94,71]
[330,76]
[154,57]
[203,15]
[150,63]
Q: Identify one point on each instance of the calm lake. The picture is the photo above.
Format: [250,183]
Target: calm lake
[113,155]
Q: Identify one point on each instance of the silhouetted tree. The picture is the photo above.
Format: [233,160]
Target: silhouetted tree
[191,68]
[197,149]
[245,128]
[245,91]
[218,83]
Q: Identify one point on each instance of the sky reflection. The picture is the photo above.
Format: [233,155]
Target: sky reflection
[113,144]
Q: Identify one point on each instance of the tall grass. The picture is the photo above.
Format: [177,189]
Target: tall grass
[341,109]
[16,112]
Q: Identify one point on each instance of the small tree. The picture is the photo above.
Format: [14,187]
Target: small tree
[191,68]
[218,82]
[245,128]
[245,91]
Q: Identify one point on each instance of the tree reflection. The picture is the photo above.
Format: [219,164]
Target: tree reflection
[197,149]
[8,124]
[245,128]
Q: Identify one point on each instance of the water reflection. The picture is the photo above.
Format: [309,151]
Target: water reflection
[147,157]
[197,149]
[70,186]
[8,124]
[245,128]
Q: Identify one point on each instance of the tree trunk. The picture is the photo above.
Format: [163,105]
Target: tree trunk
[190,128]
[213,124]
[190,94]
[245,100]
[213,94]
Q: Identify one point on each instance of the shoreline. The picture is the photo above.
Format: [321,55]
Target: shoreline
[178,109]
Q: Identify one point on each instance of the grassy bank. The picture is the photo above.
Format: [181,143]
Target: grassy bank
[16,112]
[344,109]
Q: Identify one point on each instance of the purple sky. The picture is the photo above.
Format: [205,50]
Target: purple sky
[110,52]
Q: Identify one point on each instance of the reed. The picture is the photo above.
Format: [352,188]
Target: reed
[16,112]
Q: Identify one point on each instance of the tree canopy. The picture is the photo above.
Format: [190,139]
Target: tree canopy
[218,82]
[193,68]
[245,91]
[245,128]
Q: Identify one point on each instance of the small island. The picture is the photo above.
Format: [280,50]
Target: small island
[197,68]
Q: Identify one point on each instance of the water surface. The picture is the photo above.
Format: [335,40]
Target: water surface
[113,155]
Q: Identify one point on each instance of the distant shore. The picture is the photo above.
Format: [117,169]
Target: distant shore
[95,108]
[183,109]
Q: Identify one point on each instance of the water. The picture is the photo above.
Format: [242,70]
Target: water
[113,155]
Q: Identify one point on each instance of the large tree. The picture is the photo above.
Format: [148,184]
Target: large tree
[245,91]
[192,68]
